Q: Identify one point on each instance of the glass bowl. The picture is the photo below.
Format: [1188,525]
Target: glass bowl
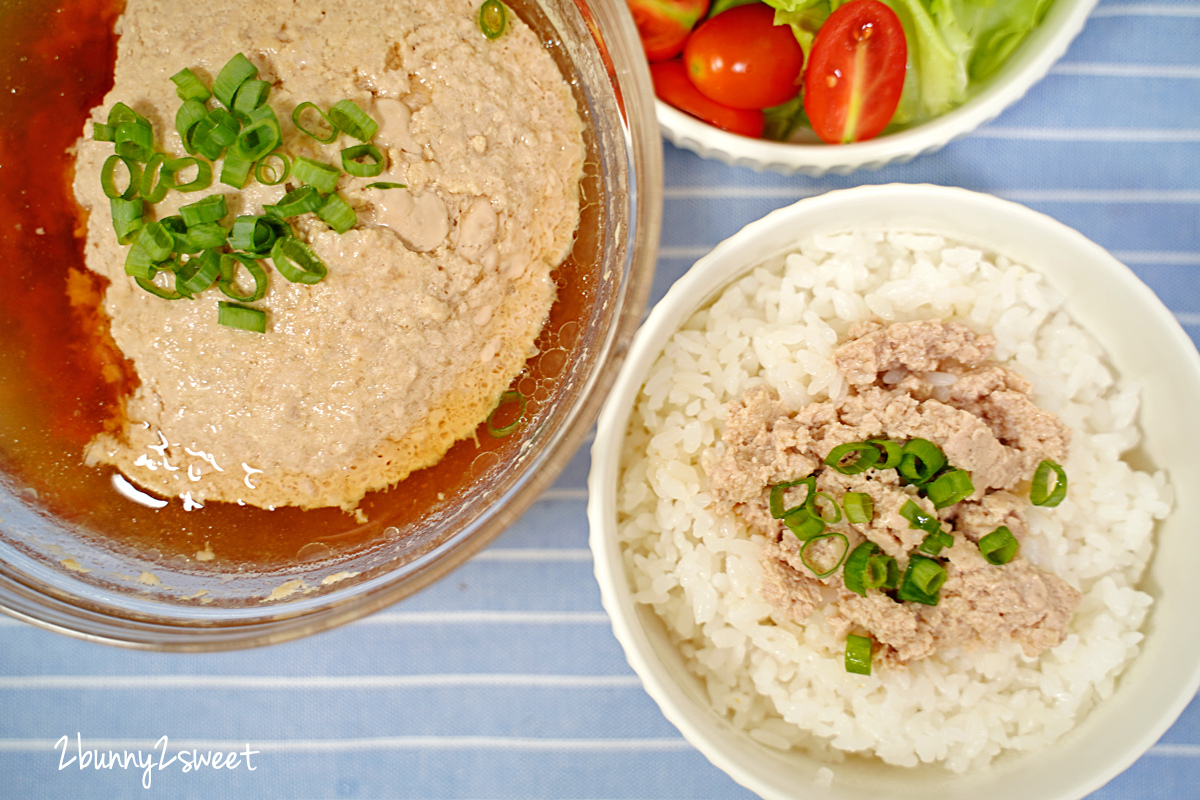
[79,558]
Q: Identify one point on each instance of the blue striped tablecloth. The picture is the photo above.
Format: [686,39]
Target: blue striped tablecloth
[504,680]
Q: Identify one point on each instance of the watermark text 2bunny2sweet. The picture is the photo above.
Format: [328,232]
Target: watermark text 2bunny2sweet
[158,758]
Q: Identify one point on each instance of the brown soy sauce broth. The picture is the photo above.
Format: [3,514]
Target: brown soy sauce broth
[56,392]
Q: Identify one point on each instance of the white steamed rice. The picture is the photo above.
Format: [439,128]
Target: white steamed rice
[784,683]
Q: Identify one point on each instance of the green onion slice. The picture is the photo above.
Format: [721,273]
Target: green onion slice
[852,458]
[267,175]
[775,502]
[1040,493]
[493,18]
[353,120]
[127,217]
[211,209]
[257,234]
[189,115]
[296,202]
[818,569]
[828,510]
[323,177]
[858,654]
[108,180]
[354,164]
[297,262]
[122,113]
[153,185]
[156,240]
[890,452]
[103,133]
[134,139]
[859,507]
[138,262]
[999,546]
[508,397]
[250,95]
[203,177]
[150,286]
[178,229]
[198,272]
[235,315]
[804,525]
[235,169]
[315,132]
[386,185]
[919,518]
[204,236]
[257,139]
[920,461]
[229,263]
[213,134]
[922,581]
[950,487]
[236,71]
[935,541]
[856,574]
[189,87]
[337,213]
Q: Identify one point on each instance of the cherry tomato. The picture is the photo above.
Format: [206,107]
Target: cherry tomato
[664,25]
[855,72]
[672,85]
[742,59]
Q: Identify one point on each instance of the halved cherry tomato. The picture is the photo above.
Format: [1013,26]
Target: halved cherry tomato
[855,72]
[672,85]
[742,59]
[664,25]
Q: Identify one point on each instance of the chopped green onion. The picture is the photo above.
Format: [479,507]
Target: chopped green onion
[859,507]
[775,502]
[134,139]
[833,512]
[353,120]
[297,262]
[492,19]
[856,574]
[235,169]
[108,182]
[213,134]
[122,113]
[890,452]
[258,138]
[228,272]
[804,525]
[211,209]
[884,571]
[150,286]
[103,133]
[198,272]
[386,185]
[256,234]
[250,95]
[189,115]
[314,133]
[236,71]
[233,315]
[920,461]
[323,177]
[178,229]
[922,581]
[841,553]
[352,160]
[153,185]
[865,457]
[858,654]
[203,177]
[508,397]
[337,213]
[189,87]
[919,518]
[138,262]
[935,541]
[156,240]
[265,174]
[950,487]
[296,202]
[999,546]
[127,216]
[204,236]
[1040,493]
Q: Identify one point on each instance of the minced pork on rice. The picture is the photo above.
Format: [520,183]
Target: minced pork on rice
[784,682]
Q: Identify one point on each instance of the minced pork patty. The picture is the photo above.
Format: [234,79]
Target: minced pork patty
[433,300]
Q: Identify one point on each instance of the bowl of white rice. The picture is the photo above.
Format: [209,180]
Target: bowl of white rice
[769,700]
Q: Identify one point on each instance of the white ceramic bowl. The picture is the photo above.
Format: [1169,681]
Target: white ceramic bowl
[1145,344]
[1027,66]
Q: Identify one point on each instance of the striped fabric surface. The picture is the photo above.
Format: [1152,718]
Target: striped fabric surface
[504,679]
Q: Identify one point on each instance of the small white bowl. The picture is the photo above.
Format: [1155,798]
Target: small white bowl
[1145,344]
[1028,65]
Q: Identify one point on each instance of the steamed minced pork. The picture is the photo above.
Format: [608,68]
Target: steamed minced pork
[764,357]
[433,300]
